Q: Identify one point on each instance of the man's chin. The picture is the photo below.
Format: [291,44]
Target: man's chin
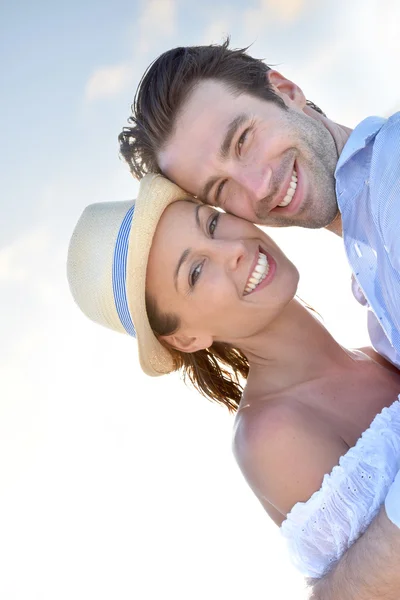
[332,224]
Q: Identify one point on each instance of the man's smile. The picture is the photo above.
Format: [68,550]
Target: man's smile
[290,190]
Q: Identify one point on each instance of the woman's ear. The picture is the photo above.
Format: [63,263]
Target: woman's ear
[187,343]
[286,89]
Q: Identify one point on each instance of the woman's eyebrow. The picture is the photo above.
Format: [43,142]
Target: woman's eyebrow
[197,210]
[181,261]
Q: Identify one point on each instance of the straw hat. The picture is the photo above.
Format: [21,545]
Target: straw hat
[107,263]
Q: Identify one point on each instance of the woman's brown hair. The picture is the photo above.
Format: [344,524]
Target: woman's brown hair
[215,371]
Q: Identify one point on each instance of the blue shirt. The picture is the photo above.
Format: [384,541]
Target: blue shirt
[368,193]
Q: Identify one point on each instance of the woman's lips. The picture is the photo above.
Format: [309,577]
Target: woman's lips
[266,270]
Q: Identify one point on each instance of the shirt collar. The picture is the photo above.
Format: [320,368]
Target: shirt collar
[359,138]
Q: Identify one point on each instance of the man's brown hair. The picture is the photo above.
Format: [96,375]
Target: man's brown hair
[166,85]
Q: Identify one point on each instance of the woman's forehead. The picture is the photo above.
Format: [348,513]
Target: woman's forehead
[174,223]
[183,205]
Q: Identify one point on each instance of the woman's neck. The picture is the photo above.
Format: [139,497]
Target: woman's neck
[294,349]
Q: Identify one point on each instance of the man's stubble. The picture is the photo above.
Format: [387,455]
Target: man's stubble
[316,151]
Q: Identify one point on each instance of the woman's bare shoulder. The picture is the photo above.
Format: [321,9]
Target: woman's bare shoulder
[371,353]
[284,450]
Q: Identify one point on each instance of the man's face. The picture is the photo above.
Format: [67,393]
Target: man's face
[252,158]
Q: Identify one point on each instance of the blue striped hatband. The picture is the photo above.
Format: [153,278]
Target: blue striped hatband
[119,273]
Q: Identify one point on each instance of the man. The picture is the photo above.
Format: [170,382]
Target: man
[239,135]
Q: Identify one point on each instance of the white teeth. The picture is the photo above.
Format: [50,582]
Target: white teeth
[260,269]
[290,191]
[260,272]
[262,259]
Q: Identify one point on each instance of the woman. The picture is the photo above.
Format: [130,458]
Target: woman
[213,296]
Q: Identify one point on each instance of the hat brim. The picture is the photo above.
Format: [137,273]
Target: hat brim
[155,194]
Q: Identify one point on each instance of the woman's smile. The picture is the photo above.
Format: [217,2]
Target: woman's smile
[261,273]
[219,262]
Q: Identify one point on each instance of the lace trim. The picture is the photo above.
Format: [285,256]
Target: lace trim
[320,530]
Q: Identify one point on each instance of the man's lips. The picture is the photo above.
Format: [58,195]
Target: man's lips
[284,188]
[273,200]
[293,206]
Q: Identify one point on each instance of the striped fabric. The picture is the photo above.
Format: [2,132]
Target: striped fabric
[368,192]
[119,273]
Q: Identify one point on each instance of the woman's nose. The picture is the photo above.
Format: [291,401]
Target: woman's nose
[231,253]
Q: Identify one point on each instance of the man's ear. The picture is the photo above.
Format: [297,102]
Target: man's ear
[187,343]
[286,89]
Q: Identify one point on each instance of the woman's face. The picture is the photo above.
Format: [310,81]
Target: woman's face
[223,277]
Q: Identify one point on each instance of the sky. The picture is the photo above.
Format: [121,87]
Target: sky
[112,484]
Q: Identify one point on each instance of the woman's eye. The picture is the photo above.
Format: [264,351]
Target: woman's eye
[242,140]
[195,274]
[212,226]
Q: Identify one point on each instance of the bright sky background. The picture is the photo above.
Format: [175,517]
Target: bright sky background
[114,485]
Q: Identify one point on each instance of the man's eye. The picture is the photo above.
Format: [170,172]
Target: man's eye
[195,274]
[212,226]
[242,140]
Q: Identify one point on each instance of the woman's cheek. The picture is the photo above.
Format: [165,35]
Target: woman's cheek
[220,291]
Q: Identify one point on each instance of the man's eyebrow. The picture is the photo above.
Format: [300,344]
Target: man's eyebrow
[224,149]
[207,187]
[230,134]
[186,252]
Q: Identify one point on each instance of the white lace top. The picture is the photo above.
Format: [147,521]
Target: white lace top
[320,530]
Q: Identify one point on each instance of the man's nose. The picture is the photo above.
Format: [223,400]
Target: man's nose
[255,179]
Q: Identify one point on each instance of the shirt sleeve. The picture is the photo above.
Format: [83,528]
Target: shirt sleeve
[380,341]
[385,187]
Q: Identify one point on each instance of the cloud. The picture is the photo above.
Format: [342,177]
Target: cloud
[107,81]
[158,20]
[22,257]
[216,31]
[289,10]
[353,75]
[285,11]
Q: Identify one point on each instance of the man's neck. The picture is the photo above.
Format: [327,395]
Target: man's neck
[340,135]
[336,225]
